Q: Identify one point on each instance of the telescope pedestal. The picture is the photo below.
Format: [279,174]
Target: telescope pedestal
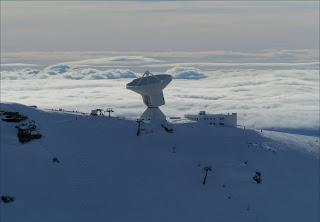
[153,114]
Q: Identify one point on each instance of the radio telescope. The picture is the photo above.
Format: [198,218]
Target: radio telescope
[150,87]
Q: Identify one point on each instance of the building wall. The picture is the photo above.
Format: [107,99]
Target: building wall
[215,119]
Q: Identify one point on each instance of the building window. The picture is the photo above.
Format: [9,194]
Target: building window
[221,124]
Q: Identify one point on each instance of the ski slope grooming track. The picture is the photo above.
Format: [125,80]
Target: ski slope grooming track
[107,173]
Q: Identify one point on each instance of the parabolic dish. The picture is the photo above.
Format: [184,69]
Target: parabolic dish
[156,81]
[150,88]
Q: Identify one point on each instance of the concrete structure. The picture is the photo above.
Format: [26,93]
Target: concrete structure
[214,119]
[150,87]
[97,112]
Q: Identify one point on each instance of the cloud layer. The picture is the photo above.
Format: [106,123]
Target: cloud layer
[264,94]
[186,73]
[64,71]
[262,99]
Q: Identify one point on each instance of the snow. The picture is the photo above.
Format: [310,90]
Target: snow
[294,141]
[107,173]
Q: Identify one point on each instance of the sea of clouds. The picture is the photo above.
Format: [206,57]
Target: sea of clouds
[63,71]
[264,88]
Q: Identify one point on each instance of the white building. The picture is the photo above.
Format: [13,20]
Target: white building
[214,119]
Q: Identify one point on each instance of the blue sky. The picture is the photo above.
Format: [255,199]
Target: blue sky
[158,26]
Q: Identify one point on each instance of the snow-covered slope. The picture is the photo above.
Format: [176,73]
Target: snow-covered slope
[107,173]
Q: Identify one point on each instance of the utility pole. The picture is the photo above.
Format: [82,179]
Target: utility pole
[208,168]
[109,110]
[139,121]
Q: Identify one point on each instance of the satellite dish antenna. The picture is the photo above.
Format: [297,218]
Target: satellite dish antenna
[150,87]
